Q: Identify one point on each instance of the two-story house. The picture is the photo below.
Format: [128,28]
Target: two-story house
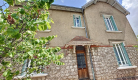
[97,41]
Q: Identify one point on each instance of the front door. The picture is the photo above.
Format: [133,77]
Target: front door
[82,62]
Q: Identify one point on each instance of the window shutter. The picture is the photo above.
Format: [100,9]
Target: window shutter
[80,21]
[23,68]
[113,22]
[126,55]
[116,54]
[105,23]
[74,20]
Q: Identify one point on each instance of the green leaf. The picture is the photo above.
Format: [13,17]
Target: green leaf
[11,54]
[1,67]
[7,72]
[6,10]
[17,36]
[2,38]
[9,65]
[33,28]
[2,28]
[17,72]
[10,2]
[45,27]
[26,7]
[15,16]
[48,25]
[21,10]
[31,53]
[12,31]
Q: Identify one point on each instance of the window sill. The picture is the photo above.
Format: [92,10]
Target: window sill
[32,76]
[126,67]
[78,27]
[113,31]
[45,31]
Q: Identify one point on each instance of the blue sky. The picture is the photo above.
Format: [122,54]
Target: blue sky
[130,5]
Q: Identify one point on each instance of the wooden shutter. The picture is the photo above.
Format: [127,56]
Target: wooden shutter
[80,21]
[74,20]
[126,55]
[105,23]
[113,23]
[24,67]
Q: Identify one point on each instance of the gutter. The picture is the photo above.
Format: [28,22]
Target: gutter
[88,47]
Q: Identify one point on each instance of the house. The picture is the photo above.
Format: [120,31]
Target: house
[97,41]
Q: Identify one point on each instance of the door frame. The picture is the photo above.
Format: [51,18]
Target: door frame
[84,51]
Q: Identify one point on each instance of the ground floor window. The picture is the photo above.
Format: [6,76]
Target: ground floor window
[121,55]
[29,64]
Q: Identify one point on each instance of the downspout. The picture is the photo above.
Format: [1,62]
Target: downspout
[88,47]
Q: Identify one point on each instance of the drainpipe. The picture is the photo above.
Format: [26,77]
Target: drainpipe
[88,46]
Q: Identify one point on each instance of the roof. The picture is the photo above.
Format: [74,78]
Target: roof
[113,3]
[65,8]
[81,40]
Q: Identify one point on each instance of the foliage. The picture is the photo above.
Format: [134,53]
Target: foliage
[17,37]
[136,46]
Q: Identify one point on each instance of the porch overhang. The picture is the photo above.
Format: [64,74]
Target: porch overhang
[81,40]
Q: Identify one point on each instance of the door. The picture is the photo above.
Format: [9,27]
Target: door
[82,62]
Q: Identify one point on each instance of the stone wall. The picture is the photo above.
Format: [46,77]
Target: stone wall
[64,72]
[105,63]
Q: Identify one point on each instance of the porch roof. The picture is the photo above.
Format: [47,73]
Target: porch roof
[81,40]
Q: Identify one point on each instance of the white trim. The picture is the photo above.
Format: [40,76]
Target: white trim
[78,27]
[118,54]
[45,31]
[113,31]
[31,75]
[122,53]
[74,49]
[110,22]
[117,42]
[127,67]
[114,3]
[79,17]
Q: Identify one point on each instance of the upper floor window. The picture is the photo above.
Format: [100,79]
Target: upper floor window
[77,21]
[110,23]
[121,55]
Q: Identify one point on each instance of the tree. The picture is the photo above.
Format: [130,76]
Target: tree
[17,38]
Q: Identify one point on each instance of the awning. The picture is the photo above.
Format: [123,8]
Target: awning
[81,40]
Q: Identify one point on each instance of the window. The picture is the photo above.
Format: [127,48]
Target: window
[77,21]
[28,64]
[47,29]
[110,23]
[121,55]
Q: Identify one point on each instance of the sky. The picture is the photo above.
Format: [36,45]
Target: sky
[130,5]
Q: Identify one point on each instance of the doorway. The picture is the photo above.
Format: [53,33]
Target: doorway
[82,63]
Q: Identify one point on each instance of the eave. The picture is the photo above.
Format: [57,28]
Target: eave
[113,3]
[65,8]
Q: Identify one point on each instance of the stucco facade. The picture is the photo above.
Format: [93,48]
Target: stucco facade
[100,60]
[97,28]
[62,27]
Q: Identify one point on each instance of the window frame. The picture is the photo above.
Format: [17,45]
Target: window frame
[121,51]
[27,63]
[110,24]
[75,21]
[47,30]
